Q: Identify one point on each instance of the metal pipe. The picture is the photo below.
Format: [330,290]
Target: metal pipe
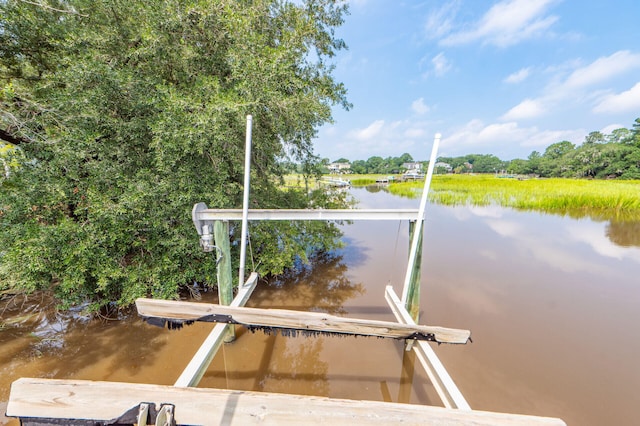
[245,201]
[418,229]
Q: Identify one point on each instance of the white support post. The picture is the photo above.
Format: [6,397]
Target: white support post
[245,201]
[443,383]
[198,365]
[418,228]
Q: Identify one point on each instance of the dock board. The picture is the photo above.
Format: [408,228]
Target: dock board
[305,322]
[104,401]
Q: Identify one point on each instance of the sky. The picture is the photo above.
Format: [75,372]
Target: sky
[492,77]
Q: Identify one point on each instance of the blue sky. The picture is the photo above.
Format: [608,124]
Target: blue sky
[493,77]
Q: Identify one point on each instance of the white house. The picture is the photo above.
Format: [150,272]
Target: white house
[339,167]
[413,166]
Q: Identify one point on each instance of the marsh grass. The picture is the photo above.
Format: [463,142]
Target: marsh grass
[574,197]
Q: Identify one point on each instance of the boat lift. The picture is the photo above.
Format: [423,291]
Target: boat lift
[48,402]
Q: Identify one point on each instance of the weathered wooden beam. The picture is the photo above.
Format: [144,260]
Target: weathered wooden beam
[306,214]
[78,400]
[443,383]
[193,372]
[305,322]
[223,269]
[413,294]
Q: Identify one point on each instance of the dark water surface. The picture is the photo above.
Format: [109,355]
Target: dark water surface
[553,305]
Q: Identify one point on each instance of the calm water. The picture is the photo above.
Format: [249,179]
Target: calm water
[552,303]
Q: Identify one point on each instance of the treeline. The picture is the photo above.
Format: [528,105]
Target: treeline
[381,165]
[600,156]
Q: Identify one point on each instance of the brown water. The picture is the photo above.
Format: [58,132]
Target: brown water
[552,303]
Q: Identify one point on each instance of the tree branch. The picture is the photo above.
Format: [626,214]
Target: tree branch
[13,139]
[46,6]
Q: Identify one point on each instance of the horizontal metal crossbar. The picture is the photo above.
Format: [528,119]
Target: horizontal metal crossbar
[308,214]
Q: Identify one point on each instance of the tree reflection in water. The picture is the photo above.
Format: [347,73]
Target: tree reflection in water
[625,234]
[273,363]
[319,286]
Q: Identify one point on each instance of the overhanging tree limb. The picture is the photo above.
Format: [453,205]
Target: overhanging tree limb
[13,139]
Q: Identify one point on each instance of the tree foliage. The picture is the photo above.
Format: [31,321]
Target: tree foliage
[128,113]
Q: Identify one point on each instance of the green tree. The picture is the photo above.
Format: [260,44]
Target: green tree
[622,135]
[518,166]
[359,167]
[375,164]
[130,112]
[534,162]
[595,137]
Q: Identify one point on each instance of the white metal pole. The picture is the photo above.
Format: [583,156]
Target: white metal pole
[418,228]
[245,201]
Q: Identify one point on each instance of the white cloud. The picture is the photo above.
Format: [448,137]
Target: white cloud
[368,132]
[545,138]
[529,108]
[628,100]
[603,68]
[419,107]
[440,22]
[384,138]
[440,64]
[518,76]
[504,137]
[574,85]
[414,133]
[610,128]
[507,23]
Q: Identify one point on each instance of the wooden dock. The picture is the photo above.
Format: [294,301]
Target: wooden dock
[105,403]
[76,402]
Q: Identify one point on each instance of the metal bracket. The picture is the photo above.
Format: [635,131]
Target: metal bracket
[142,414]
[175,324]
[147,415]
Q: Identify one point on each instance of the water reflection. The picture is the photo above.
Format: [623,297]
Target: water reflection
[373,188]
[622,228]
[625,234]
[551,302]
[320,286]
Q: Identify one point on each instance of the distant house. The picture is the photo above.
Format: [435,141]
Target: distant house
[339,168]
[413,166]
[443,165]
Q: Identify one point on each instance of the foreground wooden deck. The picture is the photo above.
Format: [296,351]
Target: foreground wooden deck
[103,402]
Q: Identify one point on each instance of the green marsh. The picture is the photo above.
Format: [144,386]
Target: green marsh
[619,199]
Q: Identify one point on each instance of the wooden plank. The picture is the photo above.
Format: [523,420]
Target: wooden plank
[193,372]
[104,401]
[204,214]
[443,383]
[296,320]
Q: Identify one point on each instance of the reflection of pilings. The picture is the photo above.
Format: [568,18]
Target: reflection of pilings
[198,365]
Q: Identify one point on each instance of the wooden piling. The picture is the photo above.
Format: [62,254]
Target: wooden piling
[413,295]
[225,280]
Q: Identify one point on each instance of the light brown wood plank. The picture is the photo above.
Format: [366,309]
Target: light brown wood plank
[296,320]
[102,401]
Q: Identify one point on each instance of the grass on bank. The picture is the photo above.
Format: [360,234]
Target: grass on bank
[601,198]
